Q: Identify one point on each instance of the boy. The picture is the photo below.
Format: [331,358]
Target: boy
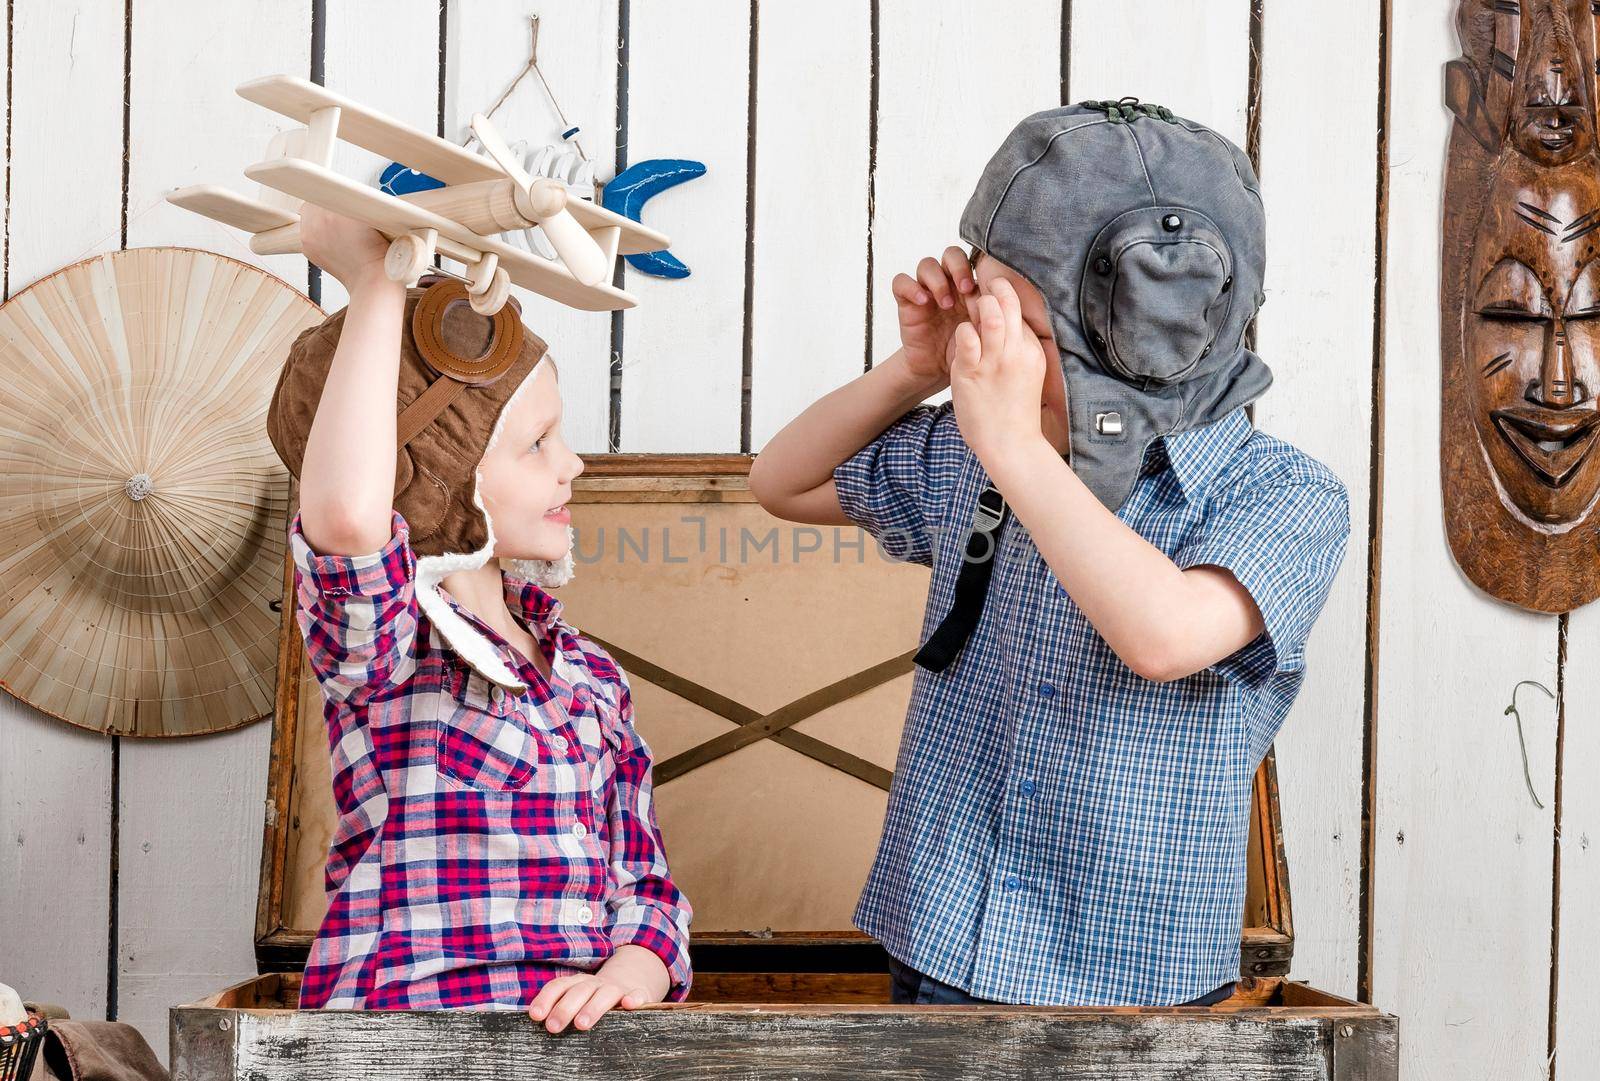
[1069,815]
[496,843]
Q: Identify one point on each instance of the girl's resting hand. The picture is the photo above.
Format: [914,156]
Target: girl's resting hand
[624,980]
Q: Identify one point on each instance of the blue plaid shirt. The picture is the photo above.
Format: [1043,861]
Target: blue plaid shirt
[1061,830]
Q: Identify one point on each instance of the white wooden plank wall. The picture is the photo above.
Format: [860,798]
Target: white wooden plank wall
[486,43]
[1462,894]
[64,203]
[1319,179]
[191,810]
[841,142]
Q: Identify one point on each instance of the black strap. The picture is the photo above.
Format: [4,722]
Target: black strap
[972,583]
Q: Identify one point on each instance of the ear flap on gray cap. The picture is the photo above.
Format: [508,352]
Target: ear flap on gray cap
[1156,293]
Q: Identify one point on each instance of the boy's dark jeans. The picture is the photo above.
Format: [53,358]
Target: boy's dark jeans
[909,986]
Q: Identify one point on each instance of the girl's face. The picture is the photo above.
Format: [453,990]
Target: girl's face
[526,477]
[1036,317]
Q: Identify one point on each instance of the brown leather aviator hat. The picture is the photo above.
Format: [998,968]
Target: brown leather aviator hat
[459,371]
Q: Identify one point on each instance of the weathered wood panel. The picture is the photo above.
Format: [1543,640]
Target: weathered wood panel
[1320,185]
[948,1042]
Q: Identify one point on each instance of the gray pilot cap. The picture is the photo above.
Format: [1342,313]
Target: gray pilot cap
[1145,234]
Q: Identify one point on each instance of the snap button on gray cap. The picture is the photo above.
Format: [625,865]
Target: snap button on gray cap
[1108,423]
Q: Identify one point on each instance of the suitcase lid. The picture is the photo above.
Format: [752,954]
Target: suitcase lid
[770,667]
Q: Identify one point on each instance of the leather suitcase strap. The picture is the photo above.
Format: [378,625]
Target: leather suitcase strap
[755,726]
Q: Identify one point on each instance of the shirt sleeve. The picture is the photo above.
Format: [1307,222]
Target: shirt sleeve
[1284,542]
[357,614]
[647,908]
[896,486]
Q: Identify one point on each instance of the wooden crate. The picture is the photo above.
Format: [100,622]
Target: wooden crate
[770,665]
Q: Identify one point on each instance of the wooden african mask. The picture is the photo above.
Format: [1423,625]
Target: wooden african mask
[1520,303]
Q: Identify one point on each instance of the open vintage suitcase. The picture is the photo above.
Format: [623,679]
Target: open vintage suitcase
[770,666]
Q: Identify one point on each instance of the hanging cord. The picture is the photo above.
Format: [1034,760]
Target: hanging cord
[1511,710]
[568,130]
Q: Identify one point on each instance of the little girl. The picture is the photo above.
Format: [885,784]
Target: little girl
[496,844]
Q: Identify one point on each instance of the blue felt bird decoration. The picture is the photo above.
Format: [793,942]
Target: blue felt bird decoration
[630,189]
[398,179]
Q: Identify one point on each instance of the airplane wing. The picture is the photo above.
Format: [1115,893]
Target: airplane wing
[298,98]
[392,217]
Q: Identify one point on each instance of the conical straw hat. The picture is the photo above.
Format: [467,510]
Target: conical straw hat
[143,513]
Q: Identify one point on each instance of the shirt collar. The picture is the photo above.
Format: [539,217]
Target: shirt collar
[1196,455]
[540,611]
[538,606]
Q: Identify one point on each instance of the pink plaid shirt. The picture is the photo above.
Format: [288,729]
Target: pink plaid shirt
[487,841]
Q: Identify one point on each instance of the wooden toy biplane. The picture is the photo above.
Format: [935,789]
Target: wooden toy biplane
[482,197]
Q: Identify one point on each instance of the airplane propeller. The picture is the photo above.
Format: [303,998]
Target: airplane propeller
[545,201]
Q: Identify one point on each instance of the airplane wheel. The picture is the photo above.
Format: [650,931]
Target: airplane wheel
[492,299]
[409,256]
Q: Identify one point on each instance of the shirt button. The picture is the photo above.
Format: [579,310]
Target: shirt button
[578,829]
[1012,882]
[585,914]
[559,742]
[1047,689]
[1027,788]
[499,695]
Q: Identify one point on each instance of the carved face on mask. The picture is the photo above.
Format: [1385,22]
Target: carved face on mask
[1520,303]
[1532,337]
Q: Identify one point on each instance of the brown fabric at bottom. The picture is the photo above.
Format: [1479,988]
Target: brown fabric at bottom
[96,1051]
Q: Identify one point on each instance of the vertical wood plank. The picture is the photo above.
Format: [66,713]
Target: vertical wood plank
[1577,999]
[808,306]
[192,809]
[486,46]
[950,89]
[1193,58]
[1319,181]
[1462,905]
[683,346]
[384,55]
[64,202]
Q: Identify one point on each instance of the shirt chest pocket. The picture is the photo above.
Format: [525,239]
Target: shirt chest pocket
[483,739]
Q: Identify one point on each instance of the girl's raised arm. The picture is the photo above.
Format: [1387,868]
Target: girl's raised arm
[347,478]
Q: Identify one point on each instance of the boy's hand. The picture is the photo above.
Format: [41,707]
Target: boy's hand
[626,979]
[997,374]
[931,306]
[350,250]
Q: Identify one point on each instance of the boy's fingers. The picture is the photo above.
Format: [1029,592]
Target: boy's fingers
[959,268]
[991,327]
[965,352]
[933,279]
[602,1000]
[905,289]
[635,998]
[1010,309]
